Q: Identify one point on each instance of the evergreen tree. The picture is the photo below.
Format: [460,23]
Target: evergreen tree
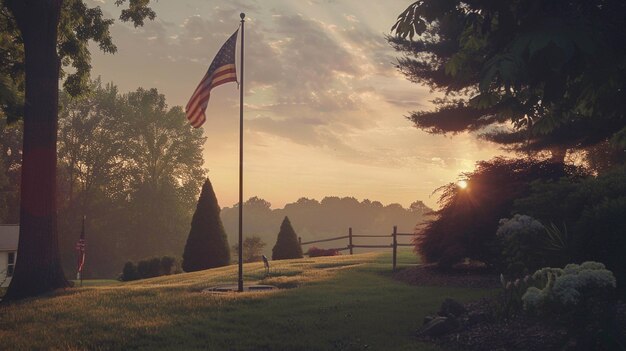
[287,245]
[207,245]
[552,70]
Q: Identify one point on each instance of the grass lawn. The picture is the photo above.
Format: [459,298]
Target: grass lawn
[340,303]
[96,282]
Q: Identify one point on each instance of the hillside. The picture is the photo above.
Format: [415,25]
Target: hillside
[340,303]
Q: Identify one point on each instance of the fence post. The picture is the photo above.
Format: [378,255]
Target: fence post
[350,239]
[395,246]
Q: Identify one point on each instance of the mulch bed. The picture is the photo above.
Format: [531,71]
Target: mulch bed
[516,333]
[519,332]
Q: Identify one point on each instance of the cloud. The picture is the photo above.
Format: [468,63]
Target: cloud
[309,81]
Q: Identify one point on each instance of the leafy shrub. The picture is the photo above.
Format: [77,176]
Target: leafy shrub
[143,269]
[521,239]
[154,267]
[572,286]
[168,265]
[317,252]
[149,268]
[581,297]
[466,224]
[129,272]
[287,245]
[526,245]
[593,210]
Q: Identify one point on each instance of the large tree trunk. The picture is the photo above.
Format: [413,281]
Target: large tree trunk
[38,267]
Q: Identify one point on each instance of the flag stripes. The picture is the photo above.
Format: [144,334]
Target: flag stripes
[222,70]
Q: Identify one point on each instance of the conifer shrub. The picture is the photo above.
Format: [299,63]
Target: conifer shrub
[207,245]
[287,245]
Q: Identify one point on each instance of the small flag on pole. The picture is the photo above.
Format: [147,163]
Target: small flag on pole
[80,248]
[222,70]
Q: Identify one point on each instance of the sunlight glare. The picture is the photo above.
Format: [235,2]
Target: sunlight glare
[462,184]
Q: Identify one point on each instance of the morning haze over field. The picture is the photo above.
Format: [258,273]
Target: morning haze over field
[324,104]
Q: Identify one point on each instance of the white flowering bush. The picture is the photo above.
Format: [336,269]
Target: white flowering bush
[521,239]
[519,224]
[569,287]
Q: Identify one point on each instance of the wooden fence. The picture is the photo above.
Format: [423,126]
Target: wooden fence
[351,246]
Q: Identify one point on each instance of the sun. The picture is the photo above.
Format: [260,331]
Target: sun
[462,184]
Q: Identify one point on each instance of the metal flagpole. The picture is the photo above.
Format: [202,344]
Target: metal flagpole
[240,286]
[82,236]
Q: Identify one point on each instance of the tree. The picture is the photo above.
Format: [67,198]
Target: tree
[287,245]
[531,74]
[207,246]
[11,154]
[92,141]
[252,248]
[51,34]
[163,168]
[134,167]
[3,186]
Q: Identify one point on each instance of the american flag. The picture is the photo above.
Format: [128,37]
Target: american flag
[222,70]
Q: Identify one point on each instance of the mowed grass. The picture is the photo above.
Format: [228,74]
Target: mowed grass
[338,303]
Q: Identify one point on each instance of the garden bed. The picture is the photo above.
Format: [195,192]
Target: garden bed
[482,325]
[490,333]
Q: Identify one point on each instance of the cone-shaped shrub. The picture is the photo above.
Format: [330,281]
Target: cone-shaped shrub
[287,245]
[207,245]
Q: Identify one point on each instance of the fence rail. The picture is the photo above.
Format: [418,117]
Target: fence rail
[324,240]
[393,245]
[370,236]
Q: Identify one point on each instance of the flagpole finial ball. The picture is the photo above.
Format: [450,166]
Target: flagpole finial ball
[242,15]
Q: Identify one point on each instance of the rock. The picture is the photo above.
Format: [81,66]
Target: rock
[428,319]
[439,326]
[450,307]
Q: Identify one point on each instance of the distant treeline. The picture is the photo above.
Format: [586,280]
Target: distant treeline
[332,216]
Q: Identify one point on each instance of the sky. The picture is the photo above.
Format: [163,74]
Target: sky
[325,109]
